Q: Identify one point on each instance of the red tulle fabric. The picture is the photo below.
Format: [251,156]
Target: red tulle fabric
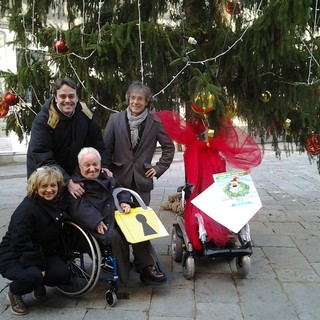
[232,148]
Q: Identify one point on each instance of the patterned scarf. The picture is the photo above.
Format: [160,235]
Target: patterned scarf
[134,123]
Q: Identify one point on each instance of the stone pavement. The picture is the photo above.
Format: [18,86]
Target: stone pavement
[284,282]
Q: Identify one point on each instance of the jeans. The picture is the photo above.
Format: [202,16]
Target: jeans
[26,279]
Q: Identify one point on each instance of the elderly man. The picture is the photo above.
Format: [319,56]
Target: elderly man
[95,211]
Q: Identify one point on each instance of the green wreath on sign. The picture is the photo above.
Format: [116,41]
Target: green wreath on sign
[241,190]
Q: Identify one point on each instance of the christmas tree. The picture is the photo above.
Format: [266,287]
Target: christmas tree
[257,60]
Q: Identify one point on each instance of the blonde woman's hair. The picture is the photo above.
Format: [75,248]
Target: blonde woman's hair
[88,150]
[43,174]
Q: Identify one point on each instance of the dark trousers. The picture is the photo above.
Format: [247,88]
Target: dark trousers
[143,252]
[26,279]
[145,195]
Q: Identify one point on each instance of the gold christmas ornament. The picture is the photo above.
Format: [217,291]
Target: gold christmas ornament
[286,124]
[203,103]
[231,111]
[211,133]
[210,136]
[265,97]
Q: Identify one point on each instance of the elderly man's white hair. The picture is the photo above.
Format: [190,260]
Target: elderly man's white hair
[88,150]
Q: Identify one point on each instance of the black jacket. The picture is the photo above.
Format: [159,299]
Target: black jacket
[57,139]
[96,205]
[34,232]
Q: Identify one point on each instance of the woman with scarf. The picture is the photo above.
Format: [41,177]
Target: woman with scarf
[131,138]
[29,250]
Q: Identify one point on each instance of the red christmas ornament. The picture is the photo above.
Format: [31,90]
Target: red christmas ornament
[198,124]
[233,7]
[4,108]
[313,144]
[60,46]
[11,99]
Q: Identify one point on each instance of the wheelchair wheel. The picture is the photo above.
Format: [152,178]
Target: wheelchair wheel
[111,298]
[189,268]
[176,245]
[243,265]
[83,255]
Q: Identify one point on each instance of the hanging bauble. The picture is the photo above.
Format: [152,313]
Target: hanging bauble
[286,124]
[60,46]
[203,103]
[233,7]
[265,97]
[297,106]
[198,124]
[11,99]
[313,144]
[4,108]
[210,137]
[231,111]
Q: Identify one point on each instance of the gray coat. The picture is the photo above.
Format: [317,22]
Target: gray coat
[126,163]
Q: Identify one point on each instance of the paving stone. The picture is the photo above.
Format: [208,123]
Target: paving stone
[286,228]
[211,288]
[262,240]
[309,246]
[286,257]
[218,311]
[265,300]
[293,274]
[304,296]
[167,302]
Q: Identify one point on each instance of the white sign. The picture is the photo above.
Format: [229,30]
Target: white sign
[232,200]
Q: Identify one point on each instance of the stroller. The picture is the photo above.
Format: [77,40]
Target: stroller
[237,245]
[195,234]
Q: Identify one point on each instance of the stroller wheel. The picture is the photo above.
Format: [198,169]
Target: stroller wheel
[176,245]
[189,268]
[243,265]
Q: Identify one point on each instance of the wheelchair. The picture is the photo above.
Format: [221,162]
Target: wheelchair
[87,263]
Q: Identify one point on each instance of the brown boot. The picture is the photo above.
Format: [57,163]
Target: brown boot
[17,304]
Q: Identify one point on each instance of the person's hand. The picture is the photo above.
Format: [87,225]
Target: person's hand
[125,207]
[101,227]
[75,189]
[107,171]
[151,173]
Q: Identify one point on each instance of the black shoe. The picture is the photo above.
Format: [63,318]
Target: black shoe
[151,275]
[40,293]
